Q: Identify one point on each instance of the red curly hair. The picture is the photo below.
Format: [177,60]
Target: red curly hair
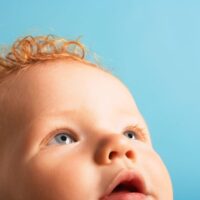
[31,50]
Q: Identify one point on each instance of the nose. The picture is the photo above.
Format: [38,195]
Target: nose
[112,147]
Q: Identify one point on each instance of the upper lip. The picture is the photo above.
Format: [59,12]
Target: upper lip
[129,179]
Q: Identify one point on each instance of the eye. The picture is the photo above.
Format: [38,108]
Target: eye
[62,138]
[131,135]
[135,133]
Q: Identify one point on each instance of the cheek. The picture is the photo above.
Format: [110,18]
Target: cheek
[157,175]
[54,176]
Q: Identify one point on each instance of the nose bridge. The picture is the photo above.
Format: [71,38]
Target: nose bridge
[113,146]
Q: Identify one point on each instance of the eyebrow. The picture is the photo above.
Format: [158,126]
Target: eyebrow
[129,121]
[62,112]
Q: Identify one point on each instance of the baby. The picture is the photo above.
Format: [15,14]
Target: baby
[70,130]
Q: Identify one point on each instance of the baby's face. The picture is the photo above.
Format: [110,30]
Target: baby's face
[73,132]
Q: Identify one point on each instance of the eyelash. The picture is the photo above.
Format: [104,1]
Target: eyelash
[140,133]
[57,131]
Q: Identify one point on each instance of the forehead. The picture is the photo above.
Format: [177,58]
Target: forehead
[59,86]
[71,78]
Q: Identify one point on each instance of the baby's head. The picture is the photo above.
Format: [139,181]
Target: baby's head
[70,130]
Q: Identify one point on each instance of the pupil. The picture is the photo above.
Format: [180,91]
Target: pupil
[64,138]
[130,135]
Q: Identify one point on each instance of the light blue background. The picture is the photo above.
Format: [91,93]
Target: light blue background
[153,46]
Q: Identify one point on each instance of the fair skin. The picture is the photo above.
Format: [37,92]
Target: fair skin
[91,109]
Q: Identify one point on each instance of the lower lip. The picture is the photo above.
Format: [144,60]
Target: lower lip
[125,196]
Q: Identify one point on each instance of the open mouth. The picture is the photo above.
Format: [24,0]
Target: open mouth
[127,185]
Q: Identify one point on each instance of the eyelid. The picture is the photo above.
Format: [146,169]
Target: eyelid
[142,135]
[57,131]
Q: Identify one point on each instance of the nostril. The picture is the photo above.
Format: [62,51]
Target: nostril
[130,154]
[112,155]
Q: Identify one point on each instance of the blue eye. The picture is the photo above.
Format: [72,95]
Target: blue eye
[131,135]
[62,138]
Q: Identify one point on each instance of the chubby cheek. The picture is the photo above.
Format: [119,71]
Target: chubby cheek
[59,175]
[158,176]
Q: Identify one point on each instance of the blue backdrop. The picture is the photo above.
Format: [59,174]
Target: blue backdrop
[153,46]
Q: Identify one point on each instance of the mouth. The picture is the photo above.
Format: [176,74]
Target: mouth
[127,185]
